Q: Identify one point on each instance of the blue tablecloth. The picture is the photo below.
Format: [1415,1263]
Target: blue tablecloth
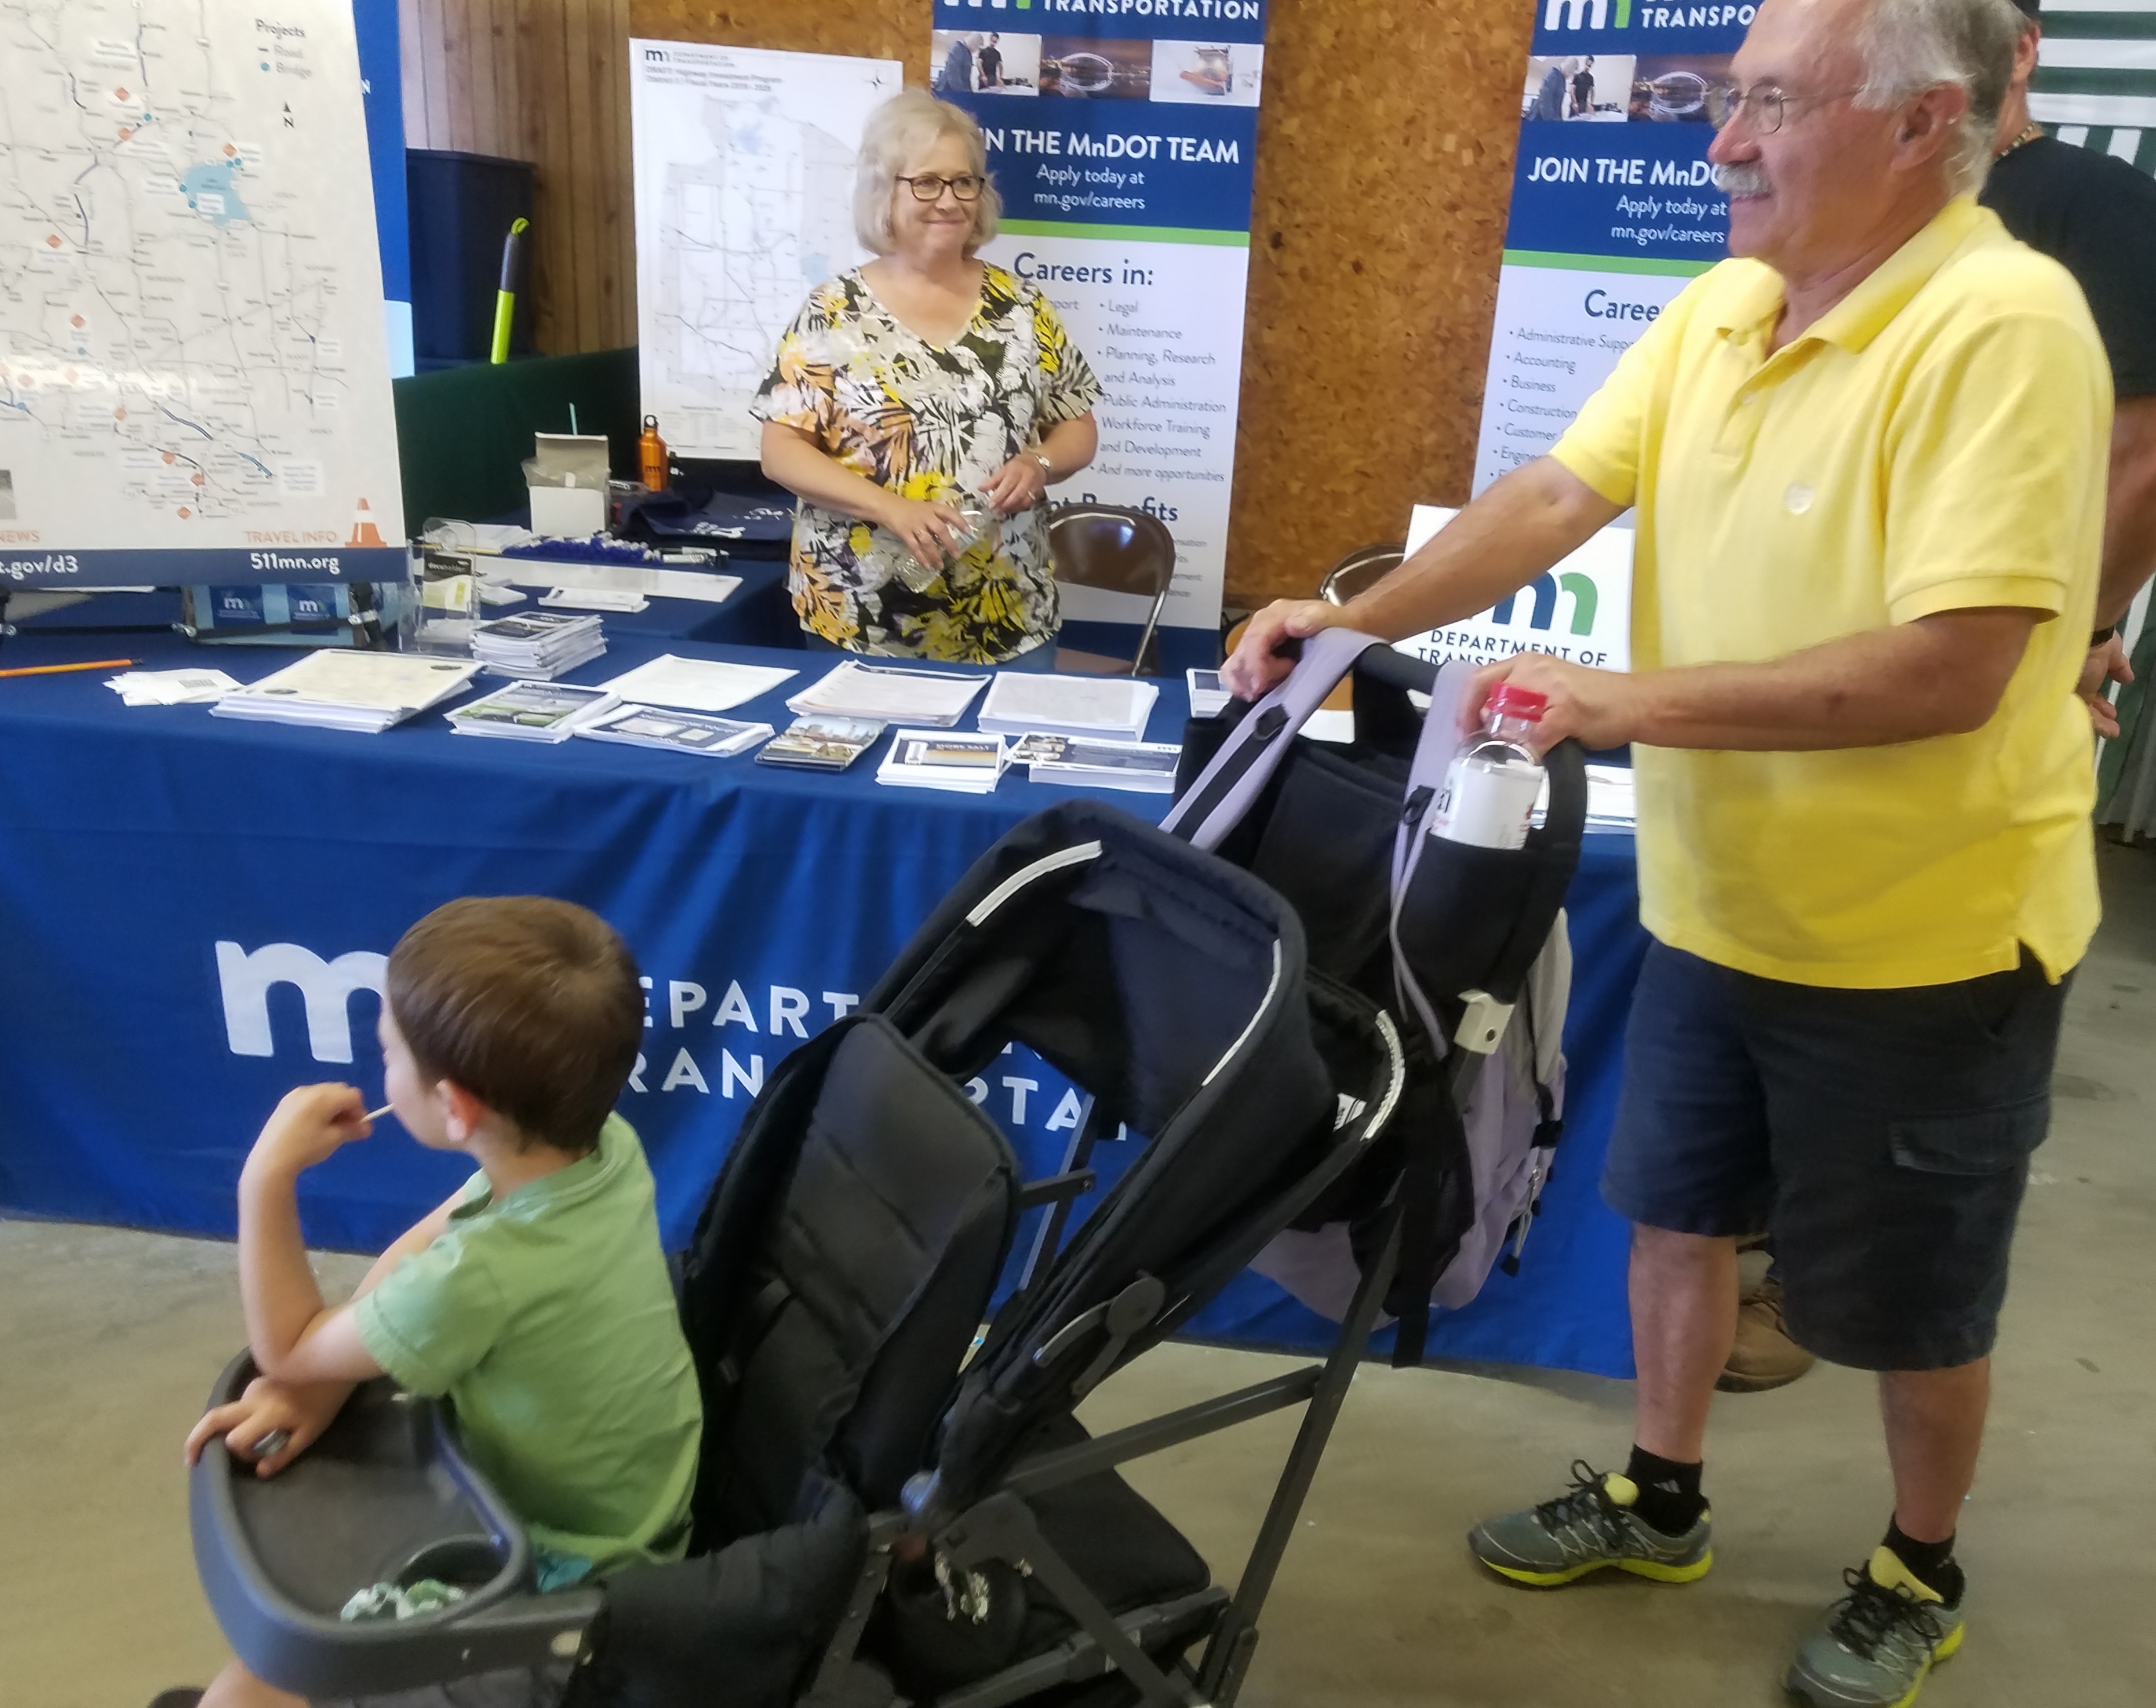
[755,613]
[176,890]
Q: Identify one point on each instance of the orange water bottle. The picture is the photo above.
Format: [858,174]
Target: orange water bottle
[651,456]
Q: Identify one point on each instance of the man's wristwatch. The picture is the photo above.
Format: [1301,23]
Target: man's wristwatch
[2102,635]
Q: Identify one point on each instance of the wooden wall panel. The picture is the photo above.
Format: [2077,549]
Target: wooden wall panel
[1384,168]
[545,81]
[1385,150]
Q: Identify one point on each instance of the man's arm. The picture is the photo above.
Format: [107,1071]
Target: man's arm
[1938,675]
[2129,516]
[2129,552]
[1526,522]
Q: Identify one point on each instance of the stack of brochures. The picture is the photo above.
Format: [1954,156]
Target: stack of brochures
[532,711]
[538,647]
[697,685]
[822,743]
[938,759]
[1208,696]
[1022,704]
[888,694]
[171,687]
[675,731]
[367,692]
[593,599]
[1145,768]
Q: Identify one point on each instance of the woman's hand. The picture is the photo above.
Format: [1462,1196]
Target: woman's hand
[932,532]
[1019,485]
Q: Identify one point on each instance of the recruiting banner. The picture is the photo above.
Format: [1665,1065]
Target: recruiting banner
[1121,135]
[1614,205]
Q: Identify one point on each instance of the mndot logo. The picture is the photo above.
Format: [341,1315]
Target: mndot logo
[1545,589]
[1594,583]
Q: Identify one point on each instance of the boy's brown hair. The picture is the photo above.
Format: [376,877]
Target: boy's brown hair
[530,1004]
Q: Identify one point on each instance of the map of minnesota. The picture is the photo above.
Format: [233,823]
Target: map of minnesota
[191,346]
[744,204]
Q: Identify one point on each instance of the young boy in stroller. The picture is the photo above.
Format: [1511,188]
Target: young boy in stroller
[535,1296]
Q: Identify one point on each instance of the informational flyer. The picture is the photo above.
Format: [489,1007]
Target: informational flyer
[1122,139]
[744,172]
[194,386]
[1614,205]
[1579,609]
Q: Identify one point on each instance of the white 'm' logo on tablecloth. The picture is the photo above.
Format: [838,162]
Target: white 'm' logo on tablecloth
[326,987]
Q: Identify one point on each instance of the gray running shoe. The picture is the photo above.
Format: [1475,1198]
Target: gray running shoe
[1589,1527]
[1880,1643]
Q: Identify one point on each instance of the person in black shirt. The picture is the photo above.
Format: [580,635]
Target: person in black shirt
[989,63]
[2096,217]
[1583,89]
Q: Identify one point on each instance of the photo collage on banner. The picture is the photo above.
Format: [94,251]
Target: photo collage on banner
[1121,139]
[1613,212]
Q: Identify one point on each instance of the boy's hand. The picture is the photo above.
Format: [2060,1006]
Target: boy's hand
[301,1411]
[310,1124]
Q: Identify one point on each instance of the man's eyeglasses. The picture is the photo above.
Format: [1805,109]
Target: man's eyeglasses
[927,186]
[1763,103]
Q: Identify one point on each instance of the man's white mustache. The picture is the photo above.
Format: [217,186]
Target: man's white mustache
[1742,179]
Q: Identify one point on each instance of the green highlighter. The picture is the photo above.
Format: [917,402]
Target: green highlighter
[512,281]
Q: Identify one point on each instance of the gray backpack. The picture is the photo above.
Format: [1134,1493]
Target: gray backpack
[1458,942]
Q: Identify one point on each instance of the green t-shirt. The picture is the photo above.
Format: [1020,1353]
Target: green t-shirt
[548,1318]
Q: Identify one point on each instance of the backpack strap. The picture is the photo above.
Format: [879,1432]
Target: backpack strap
[1247,760]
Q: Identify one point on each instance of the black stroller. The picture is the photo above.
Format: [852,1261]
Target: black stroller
[892,1509]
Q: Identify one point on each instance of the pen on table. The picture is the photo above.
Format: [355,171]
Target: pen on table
[61,669]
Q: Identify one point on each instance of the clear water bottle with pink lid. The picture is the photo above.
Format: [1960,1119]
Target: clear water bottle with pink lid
[1491,790]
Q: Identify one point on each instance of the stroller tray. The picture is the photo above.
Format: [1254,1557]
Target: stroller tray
[384,1496]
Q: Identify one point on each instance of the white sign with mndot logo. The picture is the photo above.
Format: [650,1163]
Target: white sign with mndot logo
[1580,609]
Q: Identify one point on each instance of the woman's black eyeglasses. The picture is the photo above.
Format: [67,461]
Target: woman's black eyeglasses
[928,187]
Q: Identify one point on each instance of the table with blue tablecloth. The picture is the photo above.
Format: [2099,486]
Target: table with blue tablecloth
[757,612]
[193,908]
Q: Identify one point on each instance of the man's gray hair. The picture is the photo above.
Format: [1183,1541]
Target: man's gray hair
[1908,46]
[899,132]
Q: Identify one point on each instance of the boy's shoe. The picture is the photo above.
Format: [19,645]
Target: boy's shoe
[1879,1642]
[1589,1527]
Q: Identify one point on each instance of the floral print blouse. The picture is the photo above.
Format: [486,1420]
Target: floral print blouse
[933,422]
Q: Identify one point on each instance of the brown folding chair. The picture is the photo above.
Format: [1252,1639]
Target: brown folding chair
[1119,551]
[1360,570]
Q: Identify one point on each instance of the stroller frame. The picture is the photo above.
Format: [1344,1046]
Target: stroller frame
[1002,1526]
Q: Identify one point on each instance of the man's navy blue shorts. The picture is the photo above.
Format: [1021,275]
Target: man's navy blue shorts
[1881,1136]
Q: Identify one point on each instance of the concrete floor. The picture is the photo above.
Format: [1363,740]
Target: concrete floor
[108,1341]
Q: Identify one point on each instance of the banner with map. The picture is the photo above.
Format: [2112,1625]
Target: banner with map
[744,169]
[194,385]
[1122,138]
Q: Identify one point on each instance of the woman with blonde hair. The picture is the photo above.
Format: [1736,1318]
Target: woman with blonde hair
[920,407]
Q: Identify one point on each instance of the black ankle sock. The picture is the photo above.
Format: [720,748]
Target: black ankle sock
[1932,1563]
[1669,1492]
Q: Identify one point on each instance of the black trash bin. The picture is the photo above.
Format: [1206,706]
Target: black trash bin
[462,206]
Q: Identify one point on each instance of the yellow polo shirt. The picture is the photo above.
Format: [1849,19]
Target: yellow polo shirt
[1937,442]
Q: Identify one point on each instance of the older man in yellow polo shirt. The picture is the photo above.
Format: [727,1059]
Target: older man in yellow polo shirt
[1868,462]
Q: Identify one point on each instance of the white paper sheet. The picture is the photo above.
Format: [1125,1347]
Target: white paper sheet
[697,684]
